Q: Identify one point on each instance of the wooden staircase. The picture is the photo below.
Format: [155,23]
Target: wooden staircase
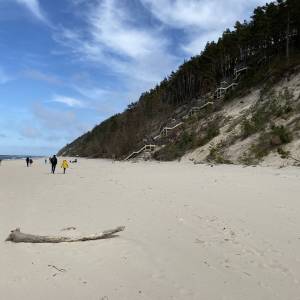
[145,148]
[165,131]
[220,93]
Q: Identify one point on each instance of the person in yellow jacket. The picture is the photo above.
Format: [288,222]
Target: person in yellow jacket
[65,165]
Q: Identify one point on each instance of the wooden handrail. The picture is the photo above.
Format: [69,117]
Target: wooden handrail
[140,150]
[201,107]
[167,128]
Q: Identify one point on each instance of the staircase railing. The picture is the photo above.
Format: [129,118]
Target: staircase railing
[166,129]
[238,72]
[197,108]
[223,90]
[149,147]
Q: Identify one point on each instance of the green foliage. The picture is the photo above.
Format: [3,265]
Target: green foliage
[247,160]
[248,128]
[212,130]
[283,154]
[216,155]
[255,124]
[268,141]
[277,106]
[282,133]
[176,150]
[168,153]
[262,148]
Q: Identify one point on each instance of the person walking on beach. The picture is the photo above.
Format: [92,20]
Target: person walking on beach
[27,161]
[53,163]
[64,165]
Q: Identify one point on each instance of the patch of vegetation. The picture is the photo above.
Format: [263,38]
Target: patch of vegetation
[247,160]
[216,154]
[282,133]
[283,154]
[262,148]
[267,142]
[187,141]
[248,128]
[177,149]
[213,130]
[278,136]
[279,106]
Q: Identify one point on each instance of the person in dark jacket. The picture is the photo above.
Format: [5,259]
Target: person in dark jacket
[53,163]
[27,161]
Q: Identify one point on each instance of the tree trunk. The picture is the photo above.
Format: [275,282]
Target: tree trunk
[288,39]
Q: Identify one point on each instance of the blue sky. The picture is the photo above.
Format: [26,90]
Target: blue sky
[66,65]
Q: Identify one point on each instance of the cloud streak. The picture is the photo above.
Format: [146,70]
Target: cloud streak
[113,40]
[34,7]
[69,101]
[201,20]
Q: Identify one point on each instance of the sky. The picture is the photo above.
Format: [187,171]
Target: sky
[66,65]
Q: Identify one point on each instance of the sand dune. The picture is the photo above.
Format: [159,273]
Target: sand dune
[192,231]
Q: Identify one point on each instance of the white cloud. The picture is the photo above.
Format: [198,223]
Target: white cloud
[91,92]
[71,102]
[111,38]
[110,27]
[204,14]
[198,42]
[201,20]
[34,8]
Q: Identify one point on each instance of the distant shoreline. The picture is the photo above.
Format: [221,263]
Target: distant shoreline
[13,157]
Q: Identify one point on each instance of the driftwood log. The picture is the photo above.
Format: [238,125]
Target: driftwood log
[17,236]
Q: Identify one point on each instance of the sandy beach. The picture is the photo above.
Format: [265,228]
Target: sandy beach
[192,231]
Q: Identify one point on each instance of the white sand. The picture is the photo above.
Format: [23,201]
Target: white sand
[192,232]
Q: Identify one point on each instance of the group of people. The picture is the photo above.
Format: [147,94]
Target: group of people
[29,161]
[53,161]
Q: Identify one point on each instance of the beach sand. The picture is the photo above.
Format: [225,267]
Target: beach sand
[192,231]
